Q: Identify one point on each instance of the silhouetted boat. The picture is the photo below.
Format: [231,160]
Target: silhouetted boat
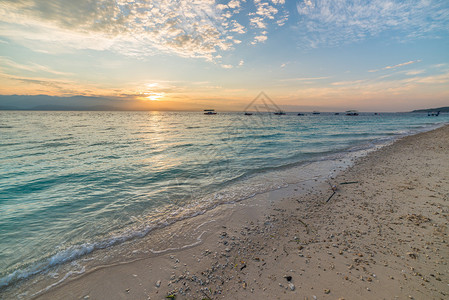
[248,114]
[210,112]
[300,114]
[315,113]
[352,113]
[279,112]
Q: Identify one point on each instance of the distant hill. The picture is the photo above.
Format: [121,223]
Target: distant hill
[45,102]
[74,108]
[442,109]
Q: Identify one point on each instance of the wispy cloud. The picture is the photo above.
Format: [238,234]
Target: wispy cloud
[365,92]
[347,83]
[37,85]
[200,28]
[415,72]
[401,65]
[303,78]
[396,66]
[331,23]
[11,65]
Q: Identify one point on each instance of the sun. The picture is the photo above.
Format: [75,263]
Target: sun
[153,96]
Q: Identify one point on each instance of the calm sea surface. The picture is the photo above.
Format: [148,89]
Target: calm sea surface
[75,182]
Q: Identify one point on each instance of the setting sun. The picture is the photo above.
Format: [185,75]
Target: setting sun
[154,96]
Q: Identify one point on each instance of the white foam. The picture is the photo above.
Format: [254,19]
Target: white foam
[198,241]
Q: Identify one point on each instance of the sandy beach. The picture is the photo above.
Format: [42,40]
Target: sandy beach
[382,235]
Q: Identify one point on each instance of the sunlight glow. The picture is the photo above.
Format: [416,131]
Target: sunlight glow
[154,96]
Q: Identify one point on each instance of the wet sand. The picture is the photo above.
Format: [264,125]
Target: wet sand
[383,235]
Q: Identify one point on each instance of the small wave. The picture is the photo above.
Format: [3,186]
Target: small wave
[198,241]
[67,275]
[253,137]
[70,254]
[59,258]
[102,143]
[55,145]
[183,145]
[9,144]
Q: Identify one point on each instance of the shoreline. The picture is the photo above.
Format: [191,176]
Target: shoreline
[381,237]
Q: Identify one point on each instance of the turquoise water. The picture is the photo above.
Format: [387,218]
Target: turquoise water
[74,182]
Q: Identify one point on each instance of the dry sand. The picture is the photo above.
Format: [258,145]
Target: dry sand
[382,237]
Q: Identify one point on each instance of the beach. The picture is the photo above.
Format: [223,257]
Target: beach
[382,235]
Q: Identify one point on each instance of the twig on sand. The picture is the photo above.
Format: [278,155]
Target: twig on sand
[330,196]
[305,225]
[349,182]
[207,297]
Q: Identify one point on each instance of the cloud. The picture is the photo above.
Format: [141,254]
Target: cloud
[330,23]
[199,28]
[283,19]
[401,65]
[356,91]
[38,85]
[237,27]
[258,22]
[346,83]
[234,4]
[396,66]
[10,65]
[259,39]
[265,12]
[303,78]
[415,72]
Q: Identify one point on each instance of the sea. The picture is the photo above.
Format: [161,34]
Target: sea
[73,184]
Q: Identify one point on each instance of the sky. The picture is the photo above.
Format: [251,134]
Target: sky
[327,55]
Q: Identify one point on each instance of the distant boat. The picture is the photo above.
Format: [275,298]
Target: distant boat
[433,114]
[336,114]
[248,114]
[315,113]
[210,112]
[279,112]
[375,114]
[352,113]
[300,114]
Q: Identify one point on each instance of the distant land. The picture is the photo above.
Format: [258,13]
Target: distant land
[427,110]
[92,103]
[44,102]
